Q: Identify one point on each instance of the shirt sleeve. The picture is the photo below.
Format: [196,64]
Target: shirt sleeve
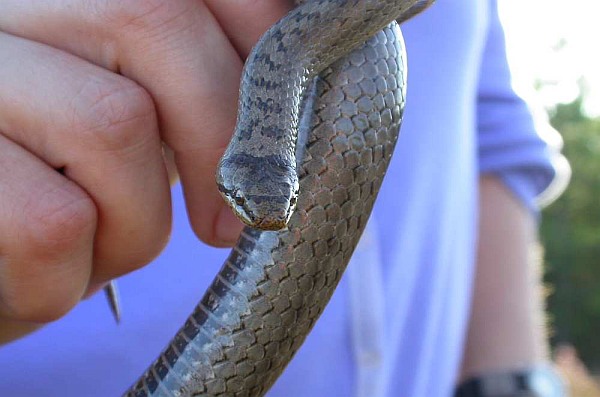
[515,143]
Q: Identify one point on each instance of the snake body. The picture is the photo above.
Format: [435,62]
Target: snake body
[319,177]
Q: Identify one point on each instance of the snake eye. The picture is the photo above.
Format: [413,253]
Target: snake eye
[239,200]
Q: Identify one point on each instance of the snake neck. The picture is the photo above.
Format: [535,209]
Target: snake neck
[281,66]
[275,80]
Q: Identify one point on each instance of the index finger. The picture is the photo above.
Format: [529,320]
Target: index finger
[245,21]
[185,54]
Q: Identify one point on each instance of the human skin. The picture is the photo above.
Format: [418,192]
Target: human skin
[506,328]
[93,88]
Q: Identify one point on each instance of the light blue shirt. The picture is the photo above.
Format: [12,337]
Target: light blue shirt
[396,324]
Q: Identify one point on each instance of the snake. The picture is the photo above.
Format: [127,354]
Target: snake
[321,102]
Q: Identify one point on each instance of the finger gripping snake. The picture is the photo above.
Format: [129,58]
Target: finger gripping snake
[321,102]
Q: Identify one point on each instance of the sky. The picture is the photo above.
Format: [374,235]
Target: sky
[556,42]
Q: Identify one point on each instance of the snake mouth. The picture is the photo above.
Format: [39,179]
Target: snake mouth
[237,203]
[260,212]
[272,223]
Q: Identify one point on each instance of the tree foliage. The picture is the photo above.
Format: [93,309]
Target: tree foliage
[571,236]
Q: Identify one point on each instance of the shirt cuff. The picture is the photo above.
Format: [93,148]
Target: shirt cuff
[520,182]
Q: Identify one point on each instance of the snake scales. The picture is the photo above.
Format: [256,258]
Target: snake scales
[337,65]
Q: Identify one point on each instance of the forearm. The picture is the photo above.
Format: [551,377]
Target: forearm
[506,329]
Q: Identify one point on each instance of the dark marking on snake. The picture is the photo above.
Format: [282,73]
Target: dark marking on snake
[311,210]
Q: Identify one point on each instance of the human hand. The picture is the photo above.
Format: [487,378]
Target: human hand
[91,89]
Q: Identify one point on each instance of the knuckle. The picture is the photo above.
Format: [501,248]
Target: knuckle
[150,242]
[158,241]
[46,258]
[55,222]
[114,116]
[149,251]
[145,15]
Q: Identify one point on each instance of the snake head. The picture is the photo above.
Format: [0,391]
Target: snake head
[262,191]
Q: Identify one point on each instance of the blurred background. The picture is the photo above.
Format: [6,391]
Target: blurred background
[553,48]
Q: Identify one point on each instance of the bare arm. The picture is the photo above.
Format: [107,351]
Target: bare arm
[506,329]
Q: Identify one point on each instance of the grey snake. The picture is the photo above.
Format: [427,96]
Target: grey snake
[321,102]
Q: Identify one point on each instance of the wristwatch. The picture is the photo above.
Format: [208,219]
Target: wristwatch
[541,381]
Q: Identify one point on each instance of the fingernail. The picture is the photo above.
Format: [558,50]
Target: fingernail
[228,227]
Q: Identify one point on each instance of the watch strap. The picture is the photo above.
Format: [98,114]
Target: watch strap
[535,382]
